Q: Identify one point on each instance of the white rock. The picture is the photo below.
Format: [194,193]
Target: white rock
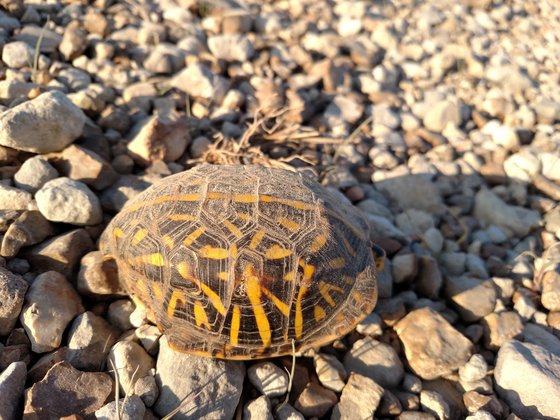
[13,198]
[17,54]
[231,47]
[522,166]
[68,201]
[131,362]
[268,379]
[34,173]
[45,124]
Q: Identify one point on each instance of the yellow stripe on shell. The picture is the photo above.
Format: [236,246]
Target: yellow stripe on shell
[257,238]
[245,198]
[318,243]
[163,199]
[118,233]
[282,307]
[215,195]
[276,252]
[336,263]
[168,241]
[152,259]
[176,296]
[157,290]
[235,324]
[193,236]
[286,201]
[254,294]
[200,316]
[325,289]
[288,223]
[184,270]
[214,253]
[138,236]
[182,217]
[235,231]
[298,321]
[319,313]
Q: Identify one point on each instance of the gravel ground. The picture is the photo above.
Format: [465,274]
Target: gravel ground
[440,120]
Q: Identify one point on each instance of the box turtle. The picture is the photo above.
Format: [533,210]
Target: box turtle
[241,262]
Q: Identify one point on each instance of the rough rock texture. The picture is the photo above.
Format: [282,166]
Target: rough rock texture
[12,291]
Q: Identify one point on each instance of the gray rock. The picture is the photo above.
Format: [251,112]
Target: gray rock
[268,378]
[440,114]
[45,124]
[149,337]
[12,384]
[66,391]
[147,389]
[31,34]
[474,370]
[433,239]
[198,80]
[433,402]
[17,54]
[212,386]
[405,268]
[412,192]
[131,362]
[34,173]
[61,253]
[13,198]
[429,280]
[287,412]
[473,298]
[501,327]
[412,383]
[30,228]
[98,277]
[315,401]
[231,47]
[12,294]
[50,304]
[371,325]
[432,346]
[259,409]
[522,166]
[539,336]
[515,220]
[115,197]
[119,312]
[68,201]
[528,379]
[129,408]
[359,399]
[89,340]
[330,371]
[376,360]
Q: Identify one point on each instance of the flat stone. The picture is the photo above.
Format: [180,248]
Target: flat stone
[163,136]
[98,277]
[14,198]
[258,409]
[34,173]
[86,166]
[12,384]
[66,391]
[315,401]
[231,47]
[473,298]
[12,294]
[30,228]
[61,253]
[330,371]
[131,362]
[414,192]
[359,399]
[89,340]
[68,201]
[129,408]
[376,360]
[501,327]
[214,385]
[514,220]
[45,124]
[432,347]
[268,378]
[528,379]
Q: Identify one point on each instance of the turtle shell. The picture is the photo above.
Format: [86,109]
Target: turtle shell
[242,262]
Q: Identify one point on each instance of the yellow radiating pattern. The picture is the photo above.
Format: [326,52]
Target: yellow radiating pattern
[118,232]
[285,309]
[286,201]
[235,324]
[193,236]
[181,217]
[256,239]
[318,243]
[153,259]
[254,295]
[288,223]
[185,272]
[138,236]
[157,290]
[200,316]
[337,263]
[176,296]
[319,313]
[276,252]
[233,229]
[215,195]
[168,241]
[208,251]
[245,198]
[298,322]
[325,289]
[163,199]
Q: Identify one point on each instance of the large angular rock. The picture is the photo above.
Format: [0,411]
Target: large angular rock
[528,379]
[12,383]
[12,294]
[433,348]
[214,386]
[45,124]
